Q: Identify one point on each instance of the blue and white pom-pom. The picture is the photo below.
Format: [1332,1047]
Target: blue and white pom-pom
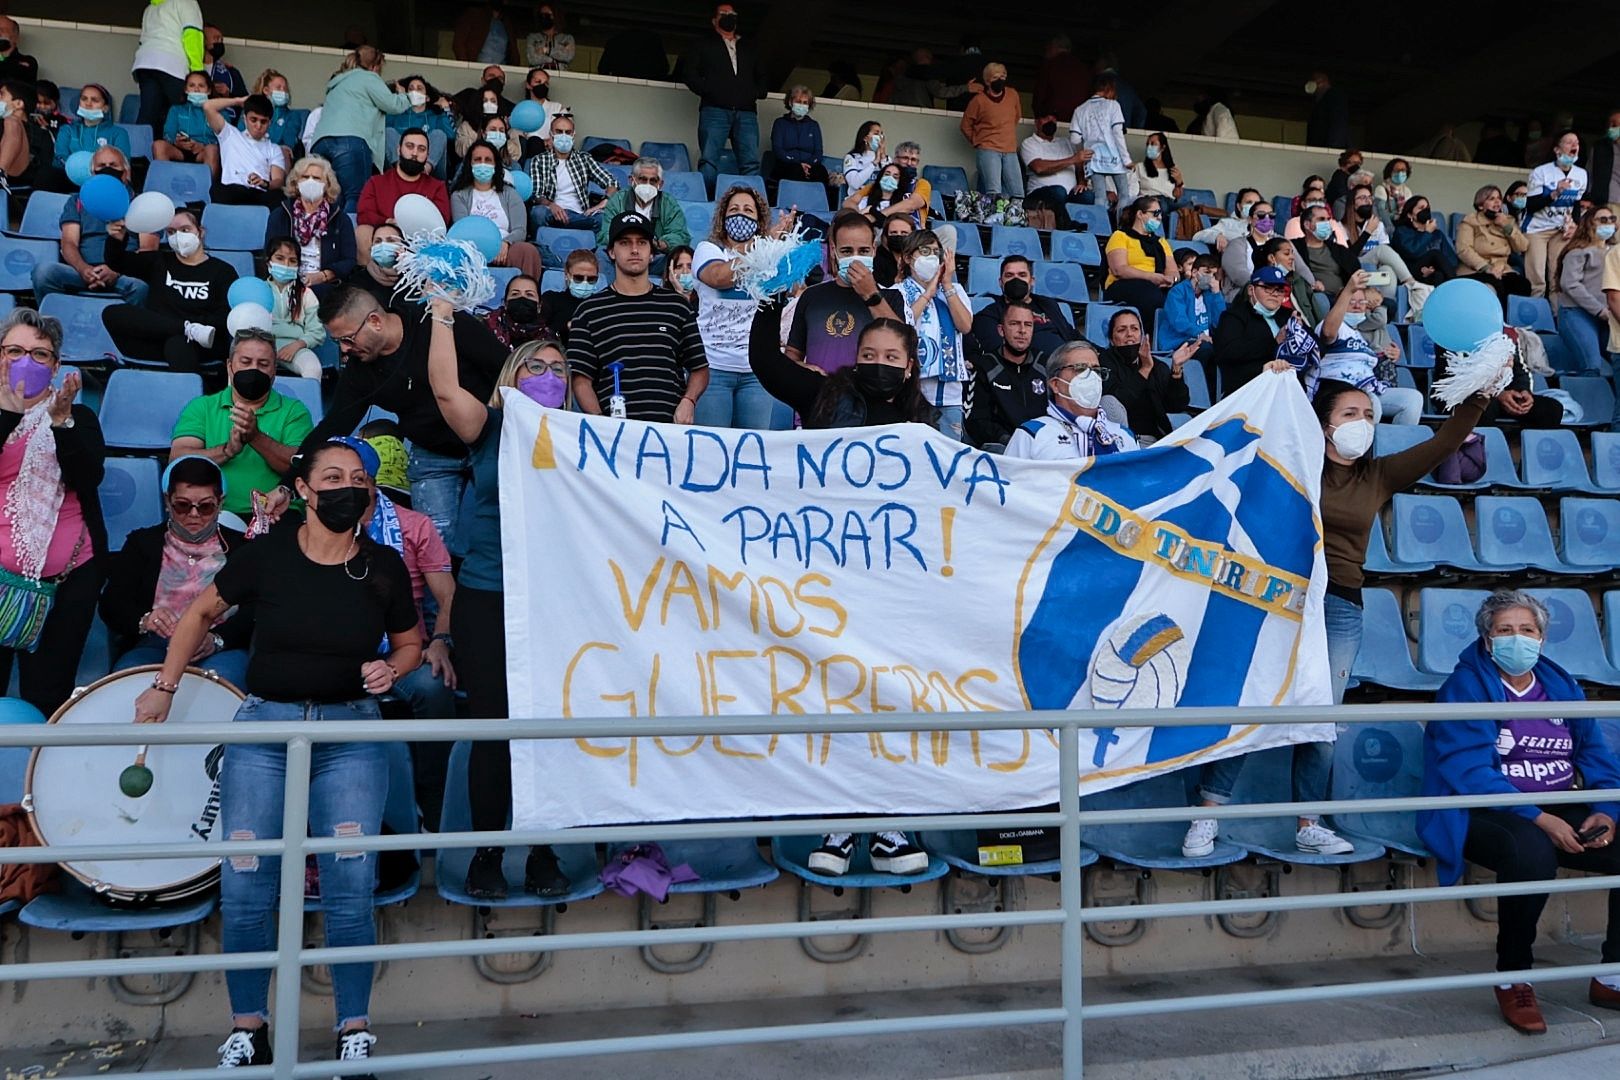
[435,267]
[774,264]
[1486,370]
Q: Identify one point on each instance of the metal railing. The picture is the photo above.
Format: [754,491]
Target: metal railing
[290,957]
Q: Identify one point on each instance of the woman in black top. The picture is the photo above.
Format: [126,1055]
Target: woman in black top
[324,597]
[182,321]
[379,274]
[882,388]
[1149,389]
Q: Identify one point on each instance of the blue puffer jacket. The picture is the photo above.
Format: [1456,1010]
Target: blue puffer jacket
[1459,757]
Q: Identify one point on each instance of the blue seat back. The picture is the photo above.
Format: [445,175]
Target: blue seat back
[1076,247]
[305,391]
[946,179]
[1061,281]
[1611,633]
[968,242]
[1420,347]
[805,194]
[1446,626]
[1097,316]
[553,281]
[979,303]
[19,259]
[235,228]
[1573,640]
[685,186]
[562,242]
[591,142]
[139,408]
[14,772]
[1385,657]
[42,216]
[241,260]
[1015,240]
[673,156]
[1430,528]
[1092,218]
[1589,530]
[1606,459]
[181,181]
[131,497]
[1513,531]
[1594,395]
[129,108]
[84,336]
[1553,459]
[1197,385]
[1284,206]
[984,276]
[140,140]
[725,181]
[1380,761]
[699,217]
[1532,311]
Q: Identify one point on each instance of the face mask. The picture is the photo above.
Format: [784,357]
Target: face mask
[850,260]
[418,99]
[925,267]
[799,109]
[874,141]
[1323,230]
[1515,654]
[1153,226]
[5,45]
[546,21]
[495,85]
[283,273]
[1533,134]
[217,49]
[91,116]
[646,193]
[5,109]
[523,311]
[1355,318]
[879,382]
[385,253]
[491,108]
[1422,217]
[1268,312]
[1364,212]
[997,85]
[110,170]
[1153,153]
[196,97]
[741,228]
[1353,439]
[251,384]
[727,22]
[579,290]
[563,144]
[1517,202]
[279,98]
[1049,130]
[341,509]
[1245,209]
[1605,232]
[1566,160]
[540,91]
[1263,226]
[497,139]
[888,184]
[483,172]
[311,189]
[192,536]
[896,244]
[411,167]
[29,376]
[1399,176]
[1310,88]
[1015,289]
[546,388]
[1086,389]
[685,281]
[185,244]
[1612,134]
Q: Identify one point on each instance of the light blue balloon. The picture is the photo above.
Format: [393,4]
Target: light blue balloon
[1461,313]
[17,711]
[104,197]
[481,232]
[249,290]
[521,183]
[528,116]
[78,166]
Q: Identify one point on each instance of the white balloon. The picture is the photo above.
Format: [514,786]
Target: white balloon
[417,214]
[149,212]
[248,317]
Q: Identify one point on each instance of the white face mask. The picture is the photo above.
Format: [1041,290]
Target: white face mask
[1086,389]
[925,267]
[418,99]
[491,108]
[312,190]
[185,244]
[1353,439]
[646,193]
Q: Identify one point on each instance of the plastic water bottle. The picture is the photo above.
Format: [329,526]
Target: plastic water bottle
[616,406]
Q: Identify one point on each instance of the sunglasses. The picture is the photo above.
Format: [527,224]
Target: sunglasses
[580,279]
[186,508]
[1265,215]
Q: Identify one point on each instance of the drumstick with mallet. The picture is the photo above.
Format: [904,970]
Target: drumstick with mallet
[136,779]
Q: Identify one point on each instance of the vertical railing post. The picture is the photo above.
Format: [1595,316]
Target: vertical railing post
[290,915]
[1072,895]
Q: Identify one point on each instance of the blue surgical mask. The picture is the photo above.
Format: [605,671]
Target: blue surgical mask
[888,183]
[1355,318]
[850,260]
[1515,654]
[283,273]
[385,253]
[1153,153]
[1612,134]
[279,98]
[1399,176]
[1153,225]
[1566,160]
[483,172]
[1323,230]
[196,97]
[579,290]
[874,141]
[799,109]
[91,116]
[1605,232]
[563,143]
[497,139]
[686,281]
[1517,202]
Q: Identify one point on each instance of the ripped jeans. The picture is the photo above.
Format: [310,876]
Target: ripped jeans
[347,788]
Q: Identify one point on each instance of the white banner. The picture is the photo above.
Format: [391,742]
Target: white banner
[659,570]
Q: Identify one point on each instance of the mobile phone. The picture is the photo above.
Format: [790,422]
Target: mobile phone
[1591,834]
[1380,278]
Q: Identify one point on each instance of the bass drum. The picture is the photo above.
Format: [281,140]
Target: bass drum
[73,795]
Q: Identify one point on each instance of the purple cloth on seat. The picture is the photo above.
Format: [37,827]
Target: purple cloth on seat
[643,868]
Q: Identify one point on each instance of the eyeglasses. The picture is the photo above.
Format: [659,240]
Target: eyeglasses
[536,366]
[344,340]
[17,352]
[1102,372]
[187,508]
[1265,215]
[578,279]
[1153,213]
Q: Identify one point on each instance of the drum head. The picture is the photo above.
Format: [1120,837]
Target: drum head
[74,798]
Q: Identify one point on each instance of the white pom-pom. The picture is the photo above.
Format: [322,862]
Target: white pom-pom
[435,267]
[1487,370]
[773,264]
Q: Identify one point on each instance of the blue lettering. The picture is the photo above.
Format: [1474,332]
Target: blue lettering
[609,454]
[905,463]
[890,540]
[933,459]
[692,436]
[855,530]
[674,520]
[650,435]
[1274,589]
[1167,542]
[814,536]
[804,459]
[1108,520]
[1199,560]
[744,536]
[1105,739]
[784,531]
[871,464]
[1234,576]
[985,472]
[761,466]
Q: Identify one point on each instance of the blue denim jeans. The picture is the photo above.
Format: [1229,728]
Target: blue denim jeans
[427,695]
[950,421]
[541,218]
[735,399]
[999,172]
[437,485]
[718,126]
[230,665]
[61,278]
[1343,622]
[1585,338]
[347,789]
[351,161]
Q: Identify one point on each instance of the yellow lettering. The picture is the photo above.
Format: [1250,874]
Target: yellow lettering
[846,700]
[982,675]
[718,579]
[682,583]
[634,615]
[714,680]
[783,699]
[825,603]
[765,584]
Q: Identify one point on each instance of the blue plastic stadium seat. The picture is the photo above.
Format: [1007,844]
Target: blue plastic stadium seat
[129,108]
[181,181]
[1196,245]
[77,910]
[1192,372]
[699,218]
[1091,218]
[84,336]
[1061,281]
[1446,626]
[1589,533]
[1499,470]
[968,241]
[18,258]
[1267,777]
[1531,311]
[947,179]
[139,409]
[140,140]
[131,497]
[1430,528]
[685,186]
[960,849]
[1015,240]
[1385,659]
[578,861]
[1097,316]
[307,391]
[1380,761]
[1595,397]
[979,303]
[1154,845]
[1573,640]
[984,276]
[1513,533]
[1553,460]
[1076,248]
[1420,347]
[807,195]
[241,260]
[235,228]
[1380,563]
[1611,633]
[591,142]
[1606,460]
[42,215]
[1393,438]
[1178,419]
[620,174]
[561,242]
[673,156]
[553,281]
[723,182]
[792,853]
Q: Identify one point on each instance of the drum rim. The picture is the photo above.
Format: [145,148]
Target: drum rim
[157,892]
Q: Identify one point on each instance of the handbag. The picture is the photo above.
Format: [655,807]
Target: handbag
[25,604]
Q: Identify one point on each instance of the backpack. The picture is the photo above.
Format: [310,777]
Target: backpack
[1466,465]
[21,881]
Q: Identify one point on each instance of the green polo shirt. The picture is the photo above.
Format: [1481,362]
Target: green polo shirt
[209,418]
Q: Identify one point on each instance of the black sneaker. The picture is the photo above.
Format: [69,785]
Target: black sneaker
[833,856]
[892,853]
[355,1046]
[245,1047]
[485,878]
[542,876]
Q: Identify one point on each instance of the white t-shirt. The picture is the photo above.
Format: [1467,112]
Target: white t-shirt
[942,388]
[1035,148]
[309,257]
[1098,125]
[1544,180]
[487,204]
[725,316]
[567,193]
[240,156]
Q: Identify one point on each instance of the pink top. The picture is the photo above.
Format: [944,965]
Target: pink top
[424,554]
[69,522]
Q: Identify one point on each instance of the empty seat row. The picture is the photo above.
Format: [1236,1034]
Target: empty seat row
[1551,460]
[1511,534]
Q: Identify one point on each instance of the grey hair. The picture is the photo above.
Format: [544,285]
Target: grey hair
[907,147]
[794,91]
[1058,358]
[43,325]
[1484,193]
[644,163]
[1504,599]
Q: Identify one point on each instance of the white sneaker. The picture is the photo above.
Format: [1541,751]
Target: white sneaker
[1200,838]
[1317,839]
[201,333]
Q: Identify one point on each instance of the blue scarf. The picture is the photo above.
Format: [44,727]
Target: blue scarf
[383,528]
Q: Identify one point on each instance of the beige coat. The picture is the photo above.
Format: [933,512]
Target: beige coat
[1482,244]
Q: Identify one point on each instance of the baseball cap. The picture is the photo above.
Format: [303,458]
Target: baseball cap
[1269,275]
[629,222]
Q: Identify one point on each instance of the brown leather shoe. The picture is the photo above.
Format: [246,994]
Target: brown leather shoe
[1519,1008]
[1603,997]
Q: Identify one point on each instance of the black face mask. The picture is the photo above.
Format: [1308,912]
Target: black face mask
[540,91]
[496,85]
[1016,289]
[110,170]
[5,45]
[523,311]
[1421,217]
[411,167]
[997,85]
[251,385]
[728,22]
[1488,215]
[1008,348]
[878,382]
[217,49]
[896,244]
[546,21]
[908,174]
[340,509]
[1049,130]
[1364,212]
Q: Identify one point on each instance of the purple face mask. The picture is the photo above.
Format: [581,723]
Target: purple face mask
[545,389]
[29,376]
[1263,226]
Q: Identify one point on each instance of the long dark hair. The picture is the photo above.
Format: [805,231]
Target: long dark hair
[1167,160]
[1328,393]
[841,385]
[878,197]
[295,291]
[862,134]
[464,177]
[433,92]
[1152,246]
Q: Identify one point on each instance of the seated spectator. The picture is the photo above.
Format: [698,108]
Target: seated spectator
[1240,256]
[379,274]
[475,126]
[473,108]
[538,85]
[485,99]
[1140,269]
[1485,240]
[1017,282]
[293,321]
[92,129]
[1509,757]
[1393,193]
[990,126]
[1338,185]
[940,311]
[548,47]
[1009,384]
[182,321]
[186,134]
[1357,350]
[248,429]
[497,132]
[83,268]
[282,131]
[829,316]
[482,191]
[517,321]
[1423,244]
[430,111]
[866,157]
[1052,163]
[1157,173]
[1314,198]
[408,176]
[1073,427]
[1369,240]
[1302,286]
[1148,389]
[1332,265]
[162,568]
[581,276]
[312,215]
[562,184]
[14,63]
[796,148]
[1250,333]
[678,276]
[1517,198]
[48,112]
[1192,307]
[252,168]
[908,155]
[887,196]
[892,236]
[1583,316]
[1518,403]
[646,197]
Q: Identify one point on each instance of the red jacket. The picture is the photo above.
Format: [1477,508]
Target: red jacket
[381,192]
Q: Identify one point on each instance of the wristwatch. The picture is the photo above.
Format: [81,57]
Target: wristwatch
[219,642]
[874,300]
[449,642]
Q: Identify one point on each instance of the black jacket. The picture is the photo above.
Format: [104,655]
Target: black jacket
[1003,395]
[1243,343]
[1600,166]
[707,70]
[132,580]
[82,453]
[1051,328]
[1345,258]
[1149,400]
[339,252]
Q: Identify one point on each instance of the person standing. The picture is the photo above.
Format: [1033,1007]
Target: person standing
[1555,188]
[354,119]
[1098,125]
[171,47]
[990,125]
[1329,123]
[14,63]
[725,314]
[940,311]
[1063,80]
[726,74]
[548,47]
[829,317]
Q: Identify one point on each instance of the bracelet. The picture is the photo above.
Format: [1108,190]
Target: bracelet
[445,322]
[141,625]
[158,684]
[393,673]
